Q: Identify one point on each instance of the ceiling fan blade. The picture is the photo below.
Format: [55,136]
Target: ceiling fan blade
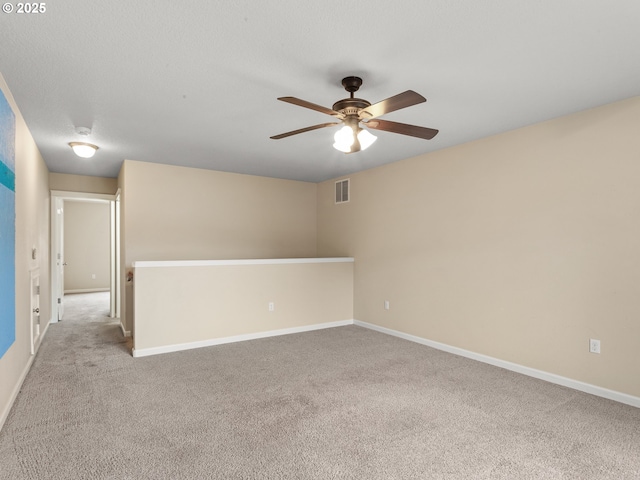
[312,106]
[391,104]
[302,130]
[402,128]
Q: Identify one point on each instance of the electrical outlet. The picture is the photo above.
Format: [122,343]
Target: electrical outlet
[594,345]
[272,306]
[386,305]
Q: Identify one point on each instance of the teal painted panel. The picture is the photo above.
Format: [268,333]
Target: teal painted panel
[7,226]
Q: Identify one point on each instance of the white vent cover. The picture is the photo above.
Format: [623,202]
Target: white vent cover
[342,191]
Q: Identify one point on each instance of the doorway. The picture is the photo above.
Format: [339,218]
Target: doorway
[58,261]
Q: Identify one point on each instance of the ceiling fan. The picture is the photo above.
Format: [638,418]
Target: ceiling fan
[351,111]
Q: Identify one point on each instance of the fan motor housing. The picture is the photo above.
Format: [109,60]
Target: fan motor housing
[350,106]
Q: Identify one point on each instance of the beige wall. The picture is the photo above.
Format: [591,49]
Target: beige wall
[32,231]
[186,304]
[520,246]
[82,183]
[179,213]
[87,250]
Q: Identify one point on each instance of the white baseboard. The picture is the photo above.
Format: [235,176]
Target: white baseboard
[514,367]
[45,329]
[87,290]
[126,333]
[14,393]
[143,352]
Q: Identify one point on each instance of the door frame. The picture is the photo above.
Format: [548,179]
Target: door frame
[57,228]
[115,255]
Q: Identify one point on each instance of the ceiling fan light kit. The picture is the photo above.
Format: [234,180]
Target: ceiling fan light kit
[345,139]
[351,138]
[351,111]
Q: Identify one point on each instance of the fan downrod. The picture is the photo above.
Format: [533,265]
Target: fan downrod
[351,105]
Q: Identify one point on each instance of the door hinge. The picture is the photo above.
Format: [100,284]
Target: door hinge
[59,301]
[38,290]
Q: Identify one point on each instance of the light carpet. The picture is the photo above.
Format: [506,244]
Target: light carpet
[344,402]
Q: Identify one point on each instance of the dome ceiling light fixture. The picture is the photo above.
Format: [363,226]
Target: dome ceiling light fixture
[83,149]
[351,111]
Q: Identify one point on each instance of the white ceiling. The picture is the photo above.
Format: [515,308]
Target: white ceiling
[195,83]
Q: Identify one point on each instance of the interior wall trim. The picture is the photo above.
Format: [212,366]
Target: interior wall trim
[237,338]
[514,367]
[248,261]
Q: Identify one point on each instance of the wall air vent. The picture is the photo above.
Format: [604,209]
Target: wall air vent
[342,191]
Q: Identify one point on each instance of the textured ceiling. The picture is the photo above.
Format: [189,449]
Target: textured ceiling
[195,83]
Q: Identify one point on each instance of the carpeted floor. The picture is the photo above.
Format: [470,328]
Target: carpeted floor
[339,403]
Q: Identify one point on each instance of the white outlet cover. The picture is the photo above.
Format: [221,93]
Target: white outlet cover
[594,345]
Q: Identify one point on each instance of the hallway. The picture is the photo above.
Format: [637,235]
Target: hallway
[86,323]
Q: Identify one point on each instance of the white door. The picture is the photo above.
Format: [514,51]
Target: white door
[35,308]
[60,263]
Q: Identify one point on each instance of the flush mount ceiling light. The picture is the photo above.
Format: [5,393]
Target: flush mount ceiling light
[82,149]
[351,111]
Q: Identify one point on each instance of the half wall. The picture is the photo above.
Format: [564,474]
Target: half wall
[180,305]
